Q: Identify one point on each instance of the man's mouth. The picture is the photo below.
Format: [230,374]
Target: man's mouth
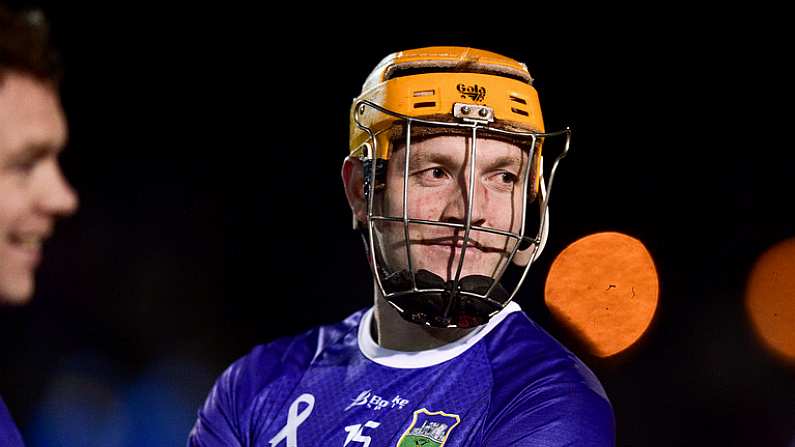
[458,242]
[451,243]
[27,245]
[26,241]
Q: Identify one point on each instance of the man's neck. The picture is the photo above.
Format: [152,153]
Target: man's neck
[391,331]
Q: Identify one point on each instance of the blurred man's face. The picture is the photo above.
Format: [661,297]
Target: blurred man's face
[438,190]
[33,191]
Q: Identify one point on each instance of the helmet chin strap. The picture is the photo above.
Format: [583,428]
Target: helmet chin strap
[435,303]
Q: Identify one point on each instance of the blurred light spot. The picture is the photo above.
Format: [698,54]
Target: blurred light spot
[604,287]
[164,401]
[80,410]
[86,405]
[770,299]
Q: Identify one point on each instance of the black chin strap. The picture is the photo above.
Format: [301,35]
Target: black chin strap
[448,307]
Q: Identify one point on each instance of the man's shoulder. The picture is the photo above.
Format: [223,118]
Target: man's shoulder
[523,349]
[9,435]
[285,357]
[537,382]
[247,389]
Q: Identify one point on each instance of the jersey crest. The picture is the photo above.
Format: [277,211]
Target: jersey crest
[429,429]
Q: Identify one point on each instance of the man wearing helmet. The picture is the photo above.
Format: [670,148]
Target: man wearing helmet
[33,192]
[444,173]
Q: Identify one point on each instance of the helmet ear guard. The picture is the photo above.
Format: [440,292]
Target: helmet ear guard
[449,90]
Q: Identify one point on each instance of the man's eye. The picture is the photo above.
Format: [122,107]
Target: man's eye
[24,167]
[507,177]
[433,174]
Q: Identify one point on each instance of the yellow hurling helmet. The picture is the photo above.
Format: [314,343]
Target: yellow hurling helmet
[475,95]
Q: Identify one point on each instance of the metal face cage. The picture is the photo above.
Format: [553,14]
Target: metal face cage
[462,301]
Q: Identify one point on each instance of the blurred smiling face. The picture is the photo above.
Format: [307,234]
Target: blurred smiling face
[33,191]
[438,190]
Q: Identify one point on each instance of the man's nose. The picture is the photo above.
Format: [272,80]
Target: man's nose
[458,203]
[55,196]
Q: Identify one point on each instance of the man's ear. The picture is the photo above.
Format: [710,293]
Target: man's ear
[353,181]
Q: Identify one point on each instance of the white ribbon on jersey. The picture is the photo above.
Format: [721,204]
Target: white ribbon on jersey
[290,430]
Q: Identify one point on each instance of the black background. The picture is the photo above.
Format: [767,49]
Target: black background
[206,147]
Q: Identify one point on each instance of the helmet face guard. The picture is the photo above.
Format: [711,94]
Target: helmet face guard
[402,244]
[450,140]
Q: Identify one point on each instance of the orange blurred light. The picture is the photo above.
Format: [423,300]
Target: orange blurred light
[770,299]
[605,288]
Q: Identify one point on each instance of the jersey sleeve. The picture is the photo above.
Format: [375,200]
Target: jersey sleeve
[224,418]
[9,435]
[249,393]
[555,415]
[543,395]
[217,424]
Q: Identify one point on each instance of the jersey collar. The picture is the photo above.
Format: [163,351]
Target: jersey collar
[431,357]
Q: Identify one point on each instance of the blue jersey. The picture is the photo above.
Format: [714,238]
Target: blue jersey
[9,435]
[506,383]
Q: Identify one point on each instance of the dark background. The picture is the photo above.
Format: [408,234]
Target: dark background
[206,147]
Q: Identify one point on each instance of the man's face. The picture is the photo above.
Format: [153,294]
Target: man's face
[33,192]
[438,190]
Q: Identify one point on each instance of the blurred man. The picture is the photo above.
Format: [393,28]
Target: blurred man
[443,175]
[33,192]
